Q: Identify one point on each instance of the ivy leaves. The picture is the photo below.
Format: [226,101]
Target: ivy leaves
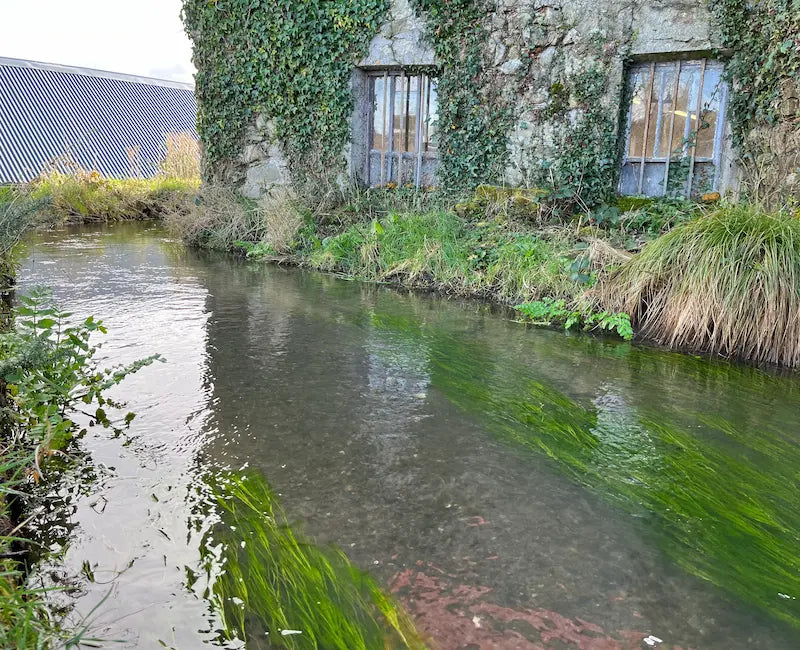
[764,39]
[289,60]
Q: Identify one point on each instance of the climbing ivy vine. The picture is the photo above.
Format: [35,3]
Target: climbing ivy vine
[474,116]
[582,170]
[288,60]
[764,40]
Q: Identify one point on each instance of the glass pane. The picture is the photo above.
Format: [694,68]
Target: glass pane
[400,93]
[431,116]
[712,91]
[379,115]
[411,121]
[685,110]
[652,124]
[639,82]
[665,78]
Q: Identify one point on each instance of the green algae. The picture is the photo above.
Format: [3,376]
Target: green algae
[719,497]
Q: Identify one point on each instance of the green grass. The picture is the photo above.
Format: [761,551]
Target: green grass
[727,283]
[86,197]
[270,580]
[443,251]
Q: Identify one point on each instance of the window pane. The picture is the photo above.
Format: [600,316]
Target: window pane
[639,82]
[685,110]
[652,123]
[712,90]
[411,122]
[400,90]
[379,115]
[665,78]
[431,116]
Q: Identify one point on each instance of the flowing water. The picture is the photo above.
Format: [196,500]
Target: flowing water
[512,487]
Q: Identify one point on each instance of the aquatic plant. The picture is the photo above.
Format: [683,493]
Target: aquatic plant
[727,283]
[706,502]
[718,497]
[268,582]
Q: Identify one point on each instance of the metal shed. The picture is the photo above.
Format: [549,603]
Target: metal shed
[115,124]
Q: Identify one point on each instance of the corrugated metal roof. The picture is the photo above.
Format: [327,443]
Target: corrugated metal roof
[113,123]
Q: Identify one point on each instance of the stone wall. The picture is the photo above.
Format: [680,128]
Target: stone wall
[535,49]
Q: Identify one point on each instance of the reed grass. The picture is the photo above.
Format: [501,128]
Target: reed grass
[85,197]
[221,219]
[274,585]
[727,283]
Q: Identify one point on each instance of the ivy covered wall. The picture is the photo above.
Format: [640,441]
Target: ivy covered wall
[763,39]
[273,81]
[530,91]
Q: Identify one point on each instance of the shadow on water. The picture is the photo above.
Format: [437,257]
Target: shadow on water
[513,487]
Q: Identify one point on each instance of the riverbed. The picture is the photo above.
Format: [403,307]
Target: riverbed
[512,487]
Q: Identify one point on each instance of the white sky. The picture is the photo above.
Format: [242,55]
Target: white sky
[142,37]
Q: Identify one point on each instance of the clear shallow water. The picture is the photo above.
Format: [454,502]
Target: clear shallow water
[514,488]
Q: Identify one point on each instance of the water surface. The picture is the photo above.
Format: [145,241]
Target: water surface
[515,488]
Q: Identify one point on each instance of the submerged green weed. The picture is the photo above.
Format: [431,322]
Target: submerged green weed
[269,583]
[719,498]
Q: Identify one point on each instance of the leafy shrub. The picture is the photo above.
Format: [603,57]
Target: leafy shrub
[47,378]
[18,214]
[549,311]
[47,363]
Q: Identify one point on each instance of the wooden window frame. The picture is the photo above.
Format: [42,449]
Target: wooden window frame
[423,149]
[689,146]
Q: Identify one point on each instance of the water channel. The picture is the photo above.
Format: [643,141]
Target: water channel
[512,487]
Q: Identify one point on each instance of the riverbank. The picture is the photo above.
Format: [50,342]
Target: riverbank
[704,278]
[51,390]
[707,278]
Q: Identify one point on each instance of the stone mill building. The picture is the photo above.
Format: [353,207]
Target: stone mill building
[630,94]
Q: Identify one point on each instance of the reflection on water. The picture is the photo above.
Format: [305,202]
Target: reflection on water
[515,488]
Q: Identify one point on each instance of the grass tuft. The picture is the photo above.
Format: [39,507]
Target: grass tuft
[726,283]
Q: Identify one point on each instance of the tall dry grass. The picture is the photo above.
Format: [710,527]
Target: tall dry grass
[220,218]
[182,158]
[727,283]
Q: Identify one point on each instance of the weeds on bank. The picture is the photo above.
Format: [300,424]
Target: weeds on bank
[727,283]
[273,586]
[65,192]
[85,197]
[47,380]
[492,251]
[221,219]
[549,311]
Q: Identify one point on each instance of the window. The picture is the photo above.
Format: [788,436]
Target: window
[675,129]
[401,130]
